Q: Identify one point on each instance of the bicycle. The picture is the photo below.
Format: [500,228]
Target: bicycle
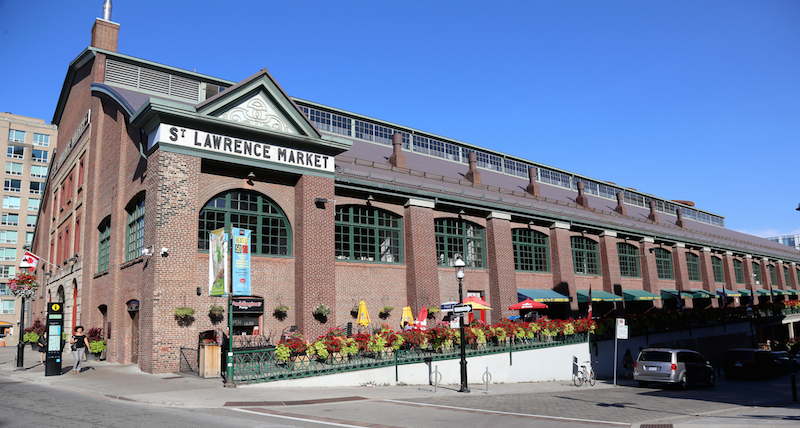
[585,375]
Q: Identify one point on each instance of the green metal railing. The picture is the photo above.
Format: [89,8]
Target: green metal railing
[253,366]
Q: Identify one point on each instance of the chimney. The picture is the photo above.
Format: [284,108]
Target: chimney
[473,175]
[581,200]
[621,205]
[397,158]
[653,216]
[680,222]
[104,32]
[533,188]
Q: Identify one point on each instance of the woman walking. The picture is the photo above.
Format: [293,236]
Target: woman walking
[79,344]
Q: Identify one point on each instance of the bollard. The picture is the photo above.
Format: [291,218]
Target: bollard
[794,387]
[487,377]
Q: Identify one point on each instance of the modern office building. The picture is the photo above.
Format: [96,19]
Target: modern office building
[342,207]
[790,240]
[29,148]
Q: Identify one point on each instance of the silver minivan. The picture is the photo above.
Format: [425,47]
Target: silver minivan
[672,366]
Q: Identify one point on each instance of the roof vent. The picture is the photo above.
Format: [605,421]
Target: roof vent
[653,216]
[107,10]
[689,203]
[621,205]
[680,223]
[397,158]
[533,188]
[473,175]
[104,32]
[582,200]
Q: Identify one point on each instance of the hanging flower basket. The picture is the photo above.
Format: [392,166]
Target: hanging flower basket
[23,285]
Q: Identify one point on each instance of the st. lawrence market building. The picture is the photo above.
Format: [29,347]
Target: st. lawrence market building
[342,208]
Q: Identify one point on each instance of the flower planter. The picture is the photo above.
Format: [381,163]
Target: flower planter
[210,361]
[93,356]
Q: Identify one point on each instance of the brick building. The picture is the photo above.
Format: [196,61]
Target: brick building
[29,149]
[343,207]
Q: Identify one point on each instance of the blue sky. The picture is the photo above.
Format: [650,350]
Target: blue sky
[689,100]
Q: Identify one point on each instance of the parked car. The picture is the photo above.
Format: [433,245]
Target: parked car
[784,360]
[750,362]
[680,367]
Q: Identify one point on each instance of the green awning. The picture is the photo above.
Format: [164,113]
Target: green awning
[673,294]
[699,293]
[780,292]
[762,292]
[631,295]
[791,291]
[729,293]
[745,292]
[544,296]
[597,296]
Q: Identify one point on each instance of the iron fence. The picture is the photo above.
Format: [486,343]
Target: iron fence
[261,365]
[190,361]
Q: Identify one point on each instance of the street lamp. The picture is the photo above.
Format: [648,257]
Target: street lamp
[459,265]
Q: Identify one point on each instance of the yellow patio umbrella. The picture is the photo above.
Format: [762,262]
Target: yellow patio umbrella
[407,317]
[477,303]
[363,315]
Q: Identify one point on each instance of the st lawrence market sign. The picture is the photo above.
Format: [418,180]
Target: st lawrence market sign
[255,150]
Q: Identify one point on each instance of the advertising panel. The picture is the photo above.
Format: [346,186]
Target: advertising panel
[240,270]
[218,283]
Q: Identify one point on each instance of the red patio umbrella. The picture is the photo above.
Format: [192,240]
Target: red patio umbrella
[528,304]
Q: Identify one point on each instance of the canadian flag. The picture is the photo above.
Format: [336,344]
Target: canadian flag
[29,260]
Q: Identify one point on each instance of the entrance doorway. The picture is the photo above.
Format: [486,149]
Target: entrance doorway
[133,311]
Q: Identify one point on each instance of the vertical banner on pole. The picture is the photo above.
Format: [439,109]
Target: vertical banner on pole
[218,283]
[240,271]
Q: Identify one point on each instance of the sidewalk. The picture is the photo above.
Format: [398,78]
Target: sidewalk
[127,382]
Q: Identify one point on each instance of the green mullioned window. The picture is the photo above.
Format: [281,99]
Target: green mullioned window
[797,271]
[456,236]
[104,244]
[368,234]
[786,276]
[270,234]
[628,260]
[135,241]
[530,250]
[584,256]
[738,270]
[757,273]
[664,264]
[772,277]
[693,264]
[716,265]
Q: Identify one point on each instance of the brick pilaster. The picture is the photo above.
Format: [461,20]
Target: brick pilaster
[729,273]
[315,278]
[707,275]
[562,267]
[422,273]
[502,275]
[609,260]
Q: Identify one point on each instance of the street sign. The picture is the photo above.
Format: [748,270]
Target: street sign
[622,331]
[447,307]
[462,309]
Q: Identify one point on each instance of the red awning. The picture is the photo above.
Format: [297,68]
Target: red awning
[528,304]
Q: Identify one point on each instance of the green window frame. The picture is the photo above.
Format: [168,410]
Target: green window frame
[628,260]
[693,265]
[270,234]
[797,272]
[772,277]
[738,271]
[786,277]
[135,235]
[456,236]
[366,234]
[531,250]
[104,244]
[757,273]
[664,264]
[716,265]
[584,256]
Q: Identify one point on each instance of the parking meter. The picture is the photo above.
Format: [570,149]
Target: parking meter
[55,325]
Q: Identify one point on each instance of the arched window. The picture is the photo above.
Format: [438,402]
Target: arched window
[664,264]
[104,241]
[135,240]
[368,234]
[584,256]
[716,265]
[738,270]
[628,260]
[693,264]
[456,236]
[270,233]
[530,250]
[757,273]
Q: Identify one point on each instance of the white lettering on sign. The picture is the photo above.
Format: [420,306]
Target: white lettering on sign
[187,137]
